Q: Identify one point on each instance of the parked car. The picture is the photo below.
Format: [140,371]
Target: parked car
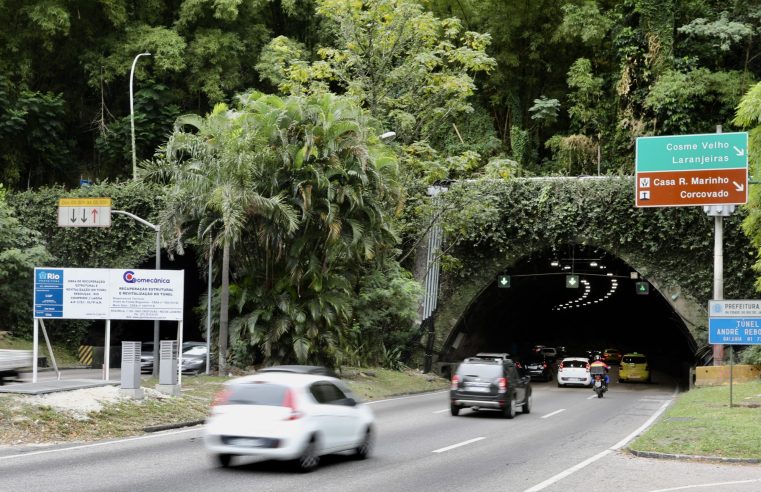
[146,354]
[612,356]
[287,416]
[634,367]
[490,383]
[539,368]
[194,359]
[574,371]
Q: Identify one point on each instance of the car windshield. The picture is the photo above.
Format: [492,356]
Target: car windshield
[483,371]
[535,361]
[635,359]
[574,363]
[257,394]
[199,350]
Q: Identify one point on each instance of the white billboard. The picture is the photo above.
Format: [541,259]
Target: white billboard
[101,293]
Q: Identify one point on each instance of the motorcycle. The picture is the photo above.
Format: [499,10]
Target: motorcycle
[599,384]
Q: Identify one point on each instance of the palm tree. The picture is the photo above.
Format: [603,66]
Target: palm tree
[213,191]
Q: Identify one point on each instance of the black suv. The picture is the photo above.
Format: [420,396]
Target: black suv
[489,382]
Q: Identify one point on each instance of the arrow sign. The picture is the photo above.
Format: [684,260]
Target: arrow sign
[738,186]
[84,216]
[73,216]
[94,213]
[572,281]
[84,212]
[503,281]
[740,152]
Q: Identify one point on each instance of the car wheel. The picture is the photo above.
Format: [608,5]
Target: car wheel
[309,459]
[527,404]
[224,459]
[560,385]
[509,411]
[454,409]
[363,450]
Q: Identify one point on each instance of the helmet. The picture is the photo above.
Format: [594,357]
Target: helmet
[597,357]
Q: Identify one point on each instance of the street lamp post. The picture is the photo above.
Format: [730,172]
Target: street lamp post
[132,113]
[156,228]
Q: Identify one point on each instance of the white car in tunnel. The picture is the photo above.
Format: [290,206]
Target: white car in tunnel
[574,371]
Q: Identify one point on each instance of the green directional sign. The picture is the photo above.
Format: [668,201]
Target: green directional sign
[642,288]
[503,281]
[692,152]
[572,281]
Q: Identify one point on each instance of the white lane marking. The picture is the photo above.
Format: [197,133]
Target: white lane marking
[591,396]
[567,472]
[706,485]
[405,397]
[464,443]
[553,413]
[441,411]
[97,444]
[602,454]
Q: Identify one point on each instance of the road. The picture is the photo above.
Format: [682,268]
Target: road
[420,447]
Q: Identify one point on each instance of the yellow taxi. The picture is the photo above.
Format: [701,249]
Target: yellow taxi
[634,367]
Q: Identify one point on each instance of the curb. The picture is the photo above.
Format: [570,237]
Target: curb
[158,428]
[689,457]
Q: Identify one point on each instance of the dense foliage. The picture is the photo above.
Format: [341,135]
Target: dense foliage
[472,88]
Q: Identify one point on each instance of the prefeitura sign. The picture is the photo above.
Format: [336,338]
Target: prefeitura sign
[99,293]
[692,170]
[734,322]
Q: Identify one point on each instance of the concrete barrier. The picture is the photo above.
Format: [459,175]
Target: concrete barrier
[718,375]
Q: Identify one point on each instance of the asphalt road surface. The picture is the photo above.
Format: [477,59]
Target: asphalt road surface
[570,441]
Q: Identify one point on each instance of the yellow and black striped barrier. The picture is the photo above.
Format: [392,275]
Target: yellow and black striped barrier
[85,355]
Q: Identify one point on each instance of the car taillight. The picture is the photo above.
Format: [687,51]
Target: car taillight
[502,384]
[544,364]
[289,401]
[455,382]
[560,366]
[221,398]
[587,367]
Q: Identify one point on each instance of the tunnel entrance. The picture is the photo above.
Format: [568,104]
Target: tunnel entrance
[544,306]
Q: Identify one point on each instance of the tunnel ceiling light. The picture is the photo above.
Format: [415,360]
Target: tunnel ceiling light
[567,267]
[609,274]
[593,264]
[555,263]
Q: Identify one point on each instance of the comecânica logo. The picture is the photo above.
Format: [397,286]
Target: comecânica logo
[129,277]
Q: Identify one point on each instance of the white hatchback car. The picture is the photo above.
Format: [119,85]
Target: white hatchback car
[286,416]
[574,371]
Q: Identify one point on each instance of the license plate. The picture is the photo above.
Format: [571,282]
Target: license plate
[247,442]
[478,389]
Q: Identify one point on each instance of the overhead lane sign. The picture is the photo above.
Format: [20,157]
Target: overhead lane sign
[84,212]
[692,170]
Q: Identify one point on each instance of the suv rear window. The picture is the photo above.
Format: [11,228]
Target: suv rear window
[257,394]
[635,359]
[483,371]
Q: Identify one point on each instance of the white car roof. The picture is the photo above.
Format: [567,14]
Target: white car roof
[576,358]
[284,378]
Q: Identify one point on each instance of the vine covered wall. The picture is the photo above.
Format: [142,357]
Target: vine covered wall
[490,225]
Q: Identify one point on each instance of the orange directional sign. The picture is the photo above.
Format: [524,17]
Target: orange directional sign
[684,188]
[690,170]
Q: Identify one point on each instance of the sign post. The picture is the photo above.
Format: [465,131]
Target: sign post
[734,322]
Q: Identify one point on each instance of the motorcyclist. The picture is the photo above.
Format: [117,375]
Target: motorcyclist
[598,362]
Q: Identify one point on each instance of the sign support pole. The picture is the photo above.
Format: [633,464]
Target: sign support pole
[208,318]
[179,354]
[107,351]
[34,350]
[718,271]
[731,366]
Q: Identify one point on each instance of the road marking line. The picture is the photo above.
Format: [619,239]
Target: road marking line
[464,443]
[591,396]
[97,444]
[441,411]
[553,413]
[602,454]
[405,397]
[705,485]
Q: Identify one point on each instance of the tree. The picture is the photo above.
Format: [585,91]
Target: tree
[21,249]
[213,193]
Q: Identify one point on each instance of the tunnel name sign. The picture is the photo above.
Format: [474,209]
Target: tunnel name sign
[692,170]
[108,293]
[734,322]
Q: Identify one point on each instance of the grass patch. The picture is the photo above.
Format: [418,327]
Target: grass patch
[700,422]
[24,422]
